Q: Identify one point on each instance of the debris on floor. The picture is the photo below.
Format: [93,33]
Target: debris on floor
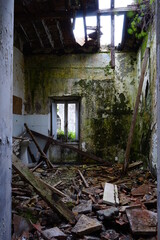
[134,216]
[86,202]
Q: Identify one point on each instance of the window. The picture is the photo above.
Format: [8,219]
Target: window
[65,119]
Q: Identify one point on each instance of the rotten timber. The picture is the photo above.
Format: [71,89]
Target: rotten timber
[41,188]
[25,34]
[46,147]
[84,20]
[38,35]
[118,11]
[112,36]
[80,152]
[134,117]
[49,36]
[84,180]
[19,17]
[49,164]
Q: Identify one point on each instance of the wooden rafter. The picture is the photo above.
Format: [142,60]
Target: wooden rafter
[112,36]
[38,35]
[60,33]
[118,11]
[48,34]
[25,34]
[39,16]
[84,20]
[98,30]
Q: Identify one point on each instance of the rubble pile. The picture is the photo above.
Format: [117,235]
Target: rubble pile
[104,204]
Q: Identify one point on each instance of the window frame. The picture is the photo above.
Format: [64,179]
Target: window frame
[66,101]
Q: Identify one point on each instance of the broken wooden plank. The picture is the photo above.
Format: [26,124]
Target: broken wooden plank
[142,222]
[112,36]
[134,117]
[110,195]
[134,165]
[84,20]
[38,165]
[83,179]
[82,153]
[31,155]
[45,149]
[58,183]
[53,200]
[53,189]
[49,164]
[116,11]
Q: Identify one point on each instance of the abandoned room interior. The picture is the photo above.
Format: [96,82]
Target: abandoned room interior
[79,119]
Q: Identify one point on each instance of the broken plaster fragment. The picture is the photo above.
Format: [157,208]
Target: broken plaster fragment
[86,225]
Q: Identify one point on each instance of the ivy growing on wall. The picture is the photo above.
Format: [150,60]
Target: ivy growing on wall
[141,21]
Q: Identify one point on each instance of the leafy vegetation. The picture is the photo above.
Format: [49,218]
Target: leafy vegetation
[141,21]
[62,136]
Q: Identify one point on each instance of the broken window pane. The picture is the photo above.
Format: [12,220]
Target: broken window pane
[105,39]
[71,121]
[79,31]
[60,121]
[123,3]
[104,4]
[118,29]
[91,23]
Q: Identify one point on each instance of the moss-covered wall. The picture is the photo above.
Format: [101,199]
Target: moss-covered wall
[107,96]
[148,106]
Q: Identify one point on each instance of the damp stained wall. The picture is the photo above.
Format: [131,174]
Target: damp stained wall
[148,105]
[18,89]
[107,96]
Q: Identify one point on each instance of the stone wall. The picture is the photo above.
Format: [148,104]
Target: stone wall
[148,106]
[107,96]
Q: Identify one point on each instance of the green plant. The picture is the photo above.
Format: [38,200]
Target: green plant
[71,135]
[141,21]
[60,134]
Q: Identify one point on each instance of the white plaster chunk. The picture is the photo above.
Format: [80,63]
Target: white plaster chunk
[110,195]
[54,233]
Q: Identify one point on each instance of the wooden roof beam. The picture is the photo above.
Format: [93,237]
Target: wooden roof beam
[118,11]
[112,36]
[84,20]
[38,35]
[48,34]
[24,17]
[25,34]
[60,33]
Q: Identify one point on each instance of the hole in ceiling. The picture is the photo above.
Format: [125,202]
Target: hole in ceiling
[105,24]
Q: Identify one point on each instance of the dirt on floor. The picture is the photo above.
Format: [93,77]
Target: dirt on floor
[85,190]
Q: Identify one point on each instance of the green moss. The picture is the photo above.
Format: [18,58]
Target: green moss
[108,70]
[144,45]
[29,215]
